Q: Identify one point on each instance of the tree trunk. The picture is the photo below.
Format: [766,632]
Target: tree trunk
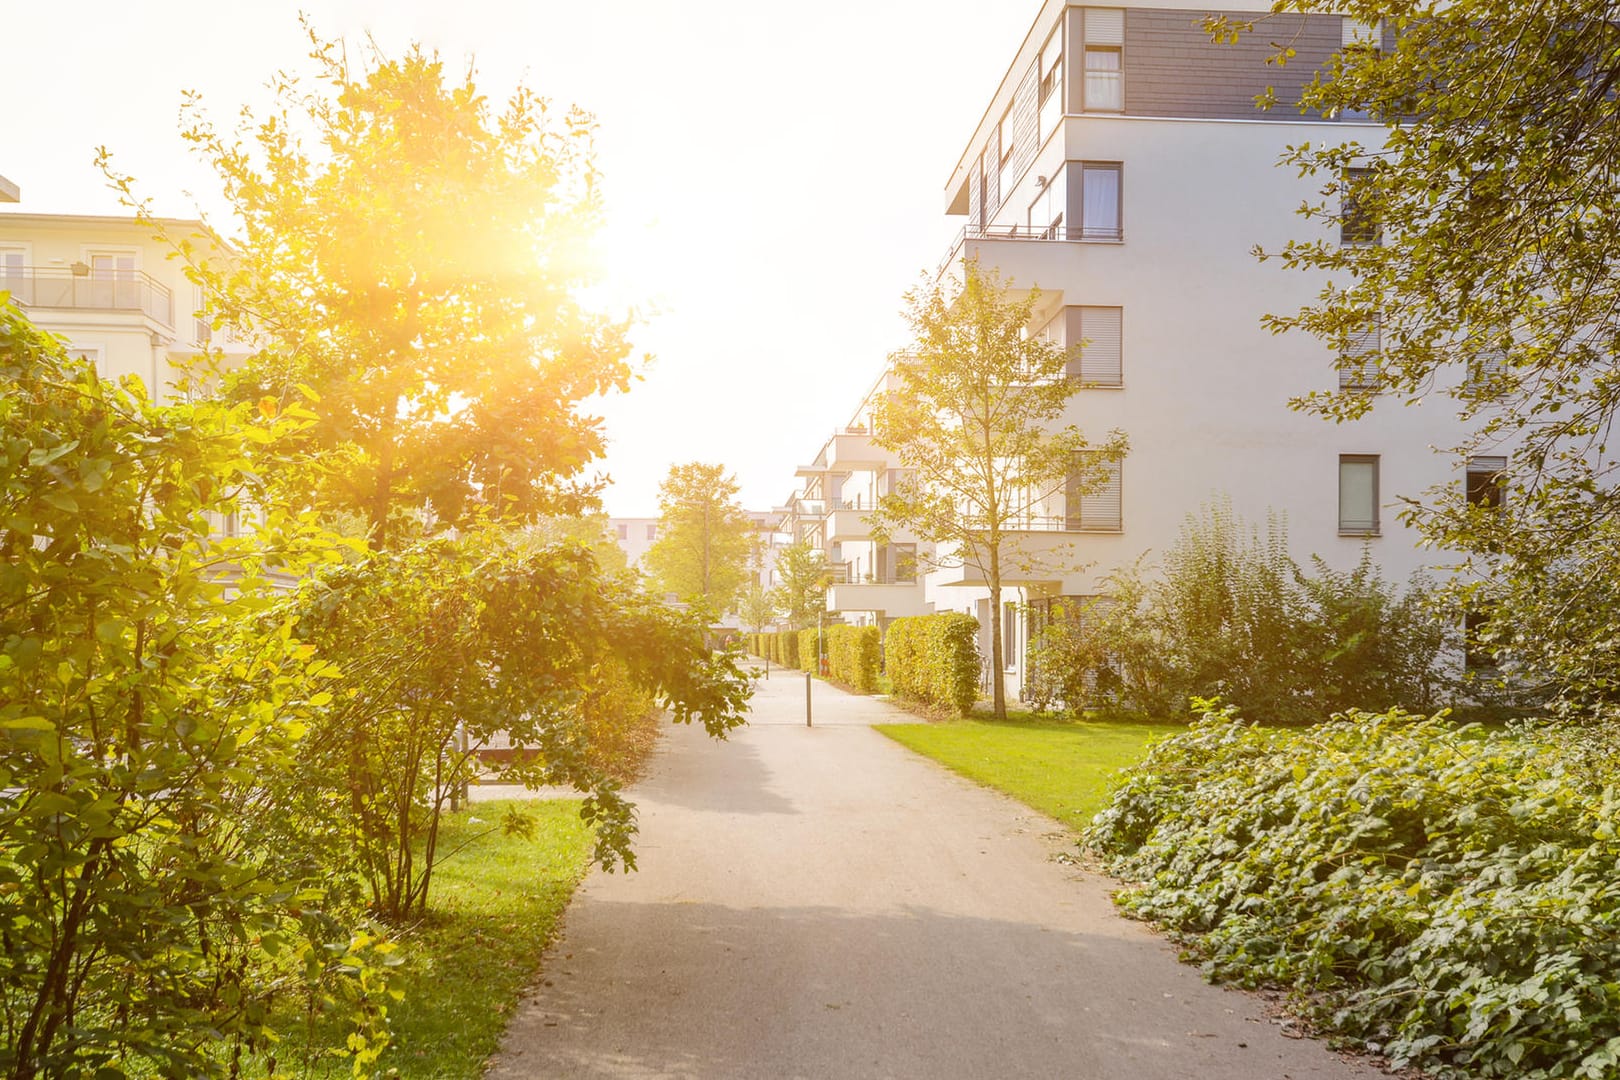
[998,689]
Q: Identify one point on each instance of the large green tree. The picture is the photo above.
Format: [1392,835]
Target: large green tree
[1485,219]
[411,257]
[704,537]
[977,421]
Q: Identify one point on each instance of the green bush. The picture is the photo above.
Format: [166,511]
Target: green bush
[787,649]
[853,654]
[1230,613]
[934,660]
[809,650]
[1446,893]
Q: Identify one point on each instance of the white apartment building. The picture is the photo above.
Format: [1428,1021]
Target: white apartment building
[1123,169]
[110,289]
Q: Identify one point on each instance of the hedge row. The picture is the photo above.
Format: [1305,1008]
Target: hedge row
[1447,893]
[934,660]
[781,648]
[853,654]
[809,650]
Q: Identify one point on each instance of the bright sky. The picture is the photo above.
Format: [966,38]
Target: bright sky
[774,172]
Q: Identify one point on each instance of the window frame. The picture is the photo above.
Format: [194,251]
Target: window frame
[1082,231]
[1374,521]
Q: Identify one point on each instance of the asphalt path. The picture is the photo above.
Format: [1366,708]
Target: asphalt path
[822,903]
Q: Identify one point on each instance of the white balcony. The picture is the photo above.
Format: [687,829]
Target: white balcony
[893,601]
[852,450]
[846,524]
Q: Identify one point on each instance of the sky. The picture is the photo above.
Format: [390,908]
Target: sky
[774,173]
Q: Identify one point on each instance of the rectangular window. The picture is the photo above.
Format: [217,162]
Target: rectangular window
[1363,36]
[1046,212]
[13,273]
[1358,494]
[112,280]
[1477,653]
[1358,364]
[1050,95]
[1357,222]
[1009,635]
[1093,494]
[624,532]
[652,532]
[1486,481]
[1100,216]
[1099,331]
[1103,59]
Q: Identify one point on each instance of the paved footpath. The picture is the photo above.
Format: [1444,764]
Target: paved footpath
[822,903]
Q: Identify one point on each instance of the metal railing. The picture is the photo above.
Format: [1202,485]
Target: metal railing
[844,574]
[60,287]
[1053,233]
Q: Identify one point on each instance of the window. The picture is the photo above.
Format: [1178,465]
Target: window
[624,532]
[652,532]
[1104,56]
[13,272]
[112,279]
[1099,201]
[1092,494]
[1050,95]
[1358,364]
[1046,212]
[1009,634]
[1486,481]
[1358,494]
[1477,652]
[1099,331]
[1357,223]
[1361,36]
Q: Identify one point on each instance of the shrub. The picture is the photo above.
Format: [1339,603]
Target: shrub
[934,660]
[1230,613]
[809,650]
[852,653]
[1445,892]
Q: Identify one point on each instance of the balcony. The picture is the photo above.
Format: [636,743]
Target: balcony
[889,595]
[1024,256]
[852,449]
[848,523]
[58,287]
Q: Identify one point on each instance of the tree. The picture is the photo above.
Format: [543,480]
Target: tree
[758,607]
[1490,228]
[411,258]
[976,422]
[802,593]
[704,537]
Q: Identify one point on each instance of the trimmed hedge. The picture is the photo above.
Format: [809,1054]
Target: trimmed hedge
[786,649]
[934,660]
[809,650]
[1445,892]
[852,656]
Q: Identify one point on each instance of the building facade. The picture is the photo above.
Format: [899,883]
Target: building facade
[1123,169]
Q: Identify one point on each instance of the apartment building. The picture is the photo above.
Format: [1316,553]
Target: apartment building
[110,289]
[1122,168]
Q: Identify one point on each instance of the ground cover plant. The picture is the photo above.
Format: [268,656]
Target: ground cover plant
[464,966]
[1448,894]
[1062,769]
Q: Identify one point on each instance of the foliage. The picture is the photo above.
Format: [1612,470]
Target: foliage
[810,650]
[802,594]
[1444,892]
[976,423]
[1492,278]
[785,646]
[854,654]
[1231,613]
[758,606]
[467,638]
[139,921]
[934,660]
[705,539]
[499,904]
[1062,769]
[414,257]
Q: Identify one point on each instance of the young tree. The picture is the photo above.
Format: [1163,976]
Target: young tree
[977,421]
[412,257]
[758,606]
[704,537]
[1487,224]
[802,594]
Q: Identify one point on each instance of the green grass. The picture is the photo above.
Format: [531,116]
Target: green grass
[493,908]
[1062,769]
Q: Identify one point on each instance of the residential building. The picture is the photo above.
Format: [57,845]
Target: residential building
[636,534]
[113,291]
[1123,169]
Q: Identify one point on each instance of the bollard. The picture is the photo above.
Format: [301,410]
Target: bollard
[807,722]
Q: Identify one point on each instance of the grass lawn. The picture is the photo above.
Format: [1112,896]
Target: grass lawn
[494,907]
[1060,768]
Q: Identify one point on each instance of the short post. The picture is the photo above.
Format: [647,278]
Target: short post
[767,669]
[807,722]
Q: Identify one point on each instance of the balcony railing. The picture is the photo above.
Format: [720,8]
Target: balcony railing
[844,574]
[59,287]
[1033,234]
